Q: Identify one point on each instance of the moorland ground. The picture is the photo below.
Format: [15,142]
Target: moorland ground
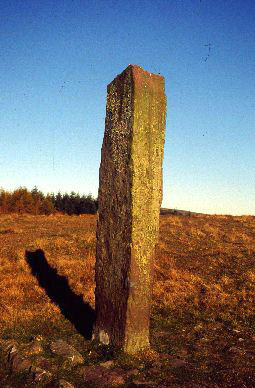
[203,308]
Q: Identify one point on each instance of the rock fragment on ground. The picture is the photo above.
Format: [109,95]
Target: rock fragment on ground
[64,384]
[62,348]
[102,376]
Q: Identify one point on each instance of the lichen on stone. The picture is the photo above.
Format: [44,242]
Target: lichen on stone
[130,195]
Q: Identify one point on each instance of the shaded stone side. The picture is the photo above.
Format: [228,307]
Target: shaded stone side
[113,249]
[130,195]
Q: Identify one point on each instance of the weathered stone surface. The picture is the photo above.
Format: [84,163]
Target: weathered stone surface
[44,370]
[7,345]
[62,348]
[132,372]
[64,384]
[130,195]
[19,363]
[45,363]
[40,375]
[34,347]
[101,376]
[107,364]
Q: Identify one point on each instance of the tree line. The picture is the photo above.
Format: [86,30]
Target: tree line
[35,202]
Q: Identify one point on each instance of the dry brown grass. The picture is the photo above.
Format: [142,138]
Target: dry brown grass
[206,263]
[204,282]
[69,246]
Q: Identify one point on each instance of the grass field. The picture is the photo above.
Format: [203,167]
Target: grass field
[203,308]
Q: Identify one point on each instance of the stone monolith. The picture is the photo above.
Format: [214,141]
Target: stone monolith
[129,199]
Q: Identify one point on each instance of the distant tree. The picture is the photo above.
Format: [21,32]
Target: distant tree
[38,198]
[4,201]
[35,202]
[72,205]
[21,201]
[37,193]
[58,202]
[66,204]
[88,205]
[77,203]
[96,204]
[47,206]
[52,196]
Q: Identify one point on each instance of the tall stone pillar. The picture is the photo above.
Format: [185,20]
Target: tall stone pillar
[130,195]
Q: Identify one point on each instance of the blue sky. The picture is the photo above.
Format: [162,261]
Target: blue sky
[57,57]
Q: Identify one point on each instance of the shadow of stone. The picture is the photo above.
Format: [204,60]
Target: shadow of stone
[72,306]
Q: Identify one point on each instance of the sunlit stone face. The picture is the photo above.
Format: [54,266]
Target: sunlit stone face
[130,195]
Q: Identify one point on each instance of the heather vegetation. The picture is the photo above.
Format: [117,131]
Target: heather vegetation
[23,201]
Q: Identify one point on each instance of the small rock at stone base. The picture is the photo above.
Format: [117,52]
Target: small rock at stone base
[7,345]
[64,384]
[46,364]
[63,349]
[107,364]
[91,372]
[11,350]
[38,338]
[33,348]
[182,353]
[132,372]
[101,376]
[113,378]
[40,375]
[19,363]
[154,371]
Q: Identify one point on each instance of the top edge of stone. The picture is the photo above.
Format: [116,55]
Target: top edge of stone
[136,69]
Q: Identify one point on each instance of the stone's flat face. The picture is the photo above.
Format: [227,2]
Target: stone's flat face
[130,195]
[114,213]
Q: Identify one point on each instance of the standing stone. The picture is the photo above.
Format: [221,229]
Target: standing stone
[129,199]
